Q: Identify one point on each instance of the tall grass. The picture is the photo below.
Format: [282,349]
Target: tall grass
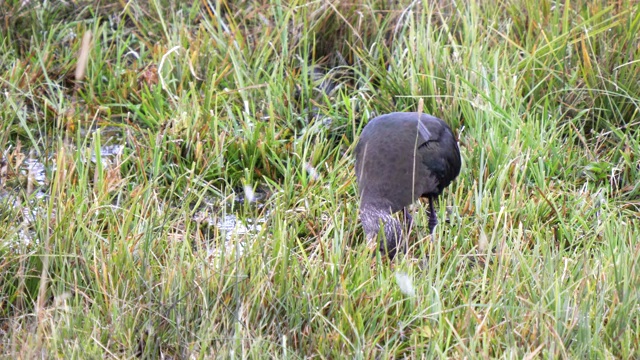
[110,255]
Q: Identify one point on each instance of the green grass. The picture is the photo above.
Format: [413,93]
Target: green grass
[539,258]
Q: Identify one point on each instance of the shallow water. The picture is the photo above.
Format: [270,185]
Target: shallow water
[24,193]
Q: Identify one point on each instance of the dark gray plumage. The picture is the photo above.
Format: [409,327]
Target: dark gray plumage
[398,160]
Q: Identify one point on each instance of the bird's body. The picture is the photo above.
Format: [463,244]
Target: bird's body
[398,160]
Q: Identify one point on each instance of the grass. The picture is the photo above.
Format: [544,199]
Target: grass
[119,255]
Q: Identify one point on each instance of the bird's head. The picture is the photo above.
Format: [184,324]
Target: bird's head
[391,235]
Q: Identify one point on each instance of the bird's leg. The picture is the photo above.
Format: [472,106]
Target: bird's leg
[433,217]
[408,220]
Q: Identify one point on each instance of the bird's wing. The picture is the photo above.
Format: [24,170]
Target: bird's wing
[424,132]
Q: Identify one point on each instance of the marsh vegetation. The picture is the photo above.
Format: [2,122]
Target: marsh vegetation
[124,155]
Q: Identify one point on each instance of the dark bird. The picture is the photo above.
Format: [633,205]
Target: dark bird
[401,157]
